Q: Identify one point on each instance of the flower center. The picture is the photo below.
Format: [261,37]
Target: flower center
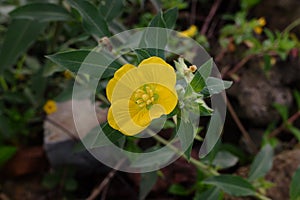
[145,96]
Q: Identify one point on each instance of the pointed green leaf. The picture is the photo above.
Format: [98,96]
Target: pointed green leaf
[283,111]
[43,12]
[6,152]
[158,21]
[142,54]
[177,189]
[203,72]
[224,159]
[148,180]
[110,9]
[170,17]
[20,35]
[233,185]
[93,22]
[262,163]
[93,63]
[186,136]
[216,85]
[297,98]
[295,186]
[102,137]
[213,193]
[213,134]
[294,130]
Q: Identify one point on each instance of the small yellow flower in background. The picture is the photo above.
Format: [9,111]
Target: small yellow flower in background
[262,21]
[50,107]
[190,32]
[140,94]
[273,61]
[258,30]
[68,74]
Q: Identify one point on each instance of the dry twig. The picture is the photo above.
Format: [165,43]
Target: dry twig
[293,118]
[210,16]
[97,190]
[245,134]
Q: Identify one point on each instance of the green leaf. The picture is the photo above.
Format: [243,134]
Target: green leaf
[43,12]
[213,193]
[297,98]
[148,180]
[177,189]
[142,54]
[216,85]
[158,21]
[236,151]
[212,135]
[154,39]
[283,111]
[262,163]
[101,137]
[110,9]
[294,130]
[71,184]
[94,63]
[170,17]
[295,186]
[224,160]
[20,35]
[186,136]
[93,22]
[203,72]
[203,108]
[268,65]
[247,4]
[153,159]
[233,185]
[6,152]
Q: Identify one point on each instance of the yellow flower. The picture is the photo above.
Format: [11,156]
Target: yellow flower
[190,32]
[50,107]
[140,94]
[68,74]
[262,21]
[258,30]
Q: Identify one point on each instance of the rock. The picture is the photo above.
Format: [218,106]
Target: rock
[60,126]
[284,167]
[286,73]
[61,141]
[256,94]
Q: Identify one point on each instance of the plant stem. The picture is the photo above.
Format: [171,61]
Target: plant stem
[262,197]
[206,169]
[3,83]
[283,125]
[291,26]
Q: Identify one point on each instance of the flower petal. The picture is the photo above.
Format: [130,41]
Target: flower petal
[128,119]
[159,74]
[167,98]
[154,60]
[110,119]
[117,76]
[156,111]
[127,84]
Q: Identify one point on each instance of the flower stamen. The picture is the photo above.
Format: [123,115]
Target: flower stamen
[144,97]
